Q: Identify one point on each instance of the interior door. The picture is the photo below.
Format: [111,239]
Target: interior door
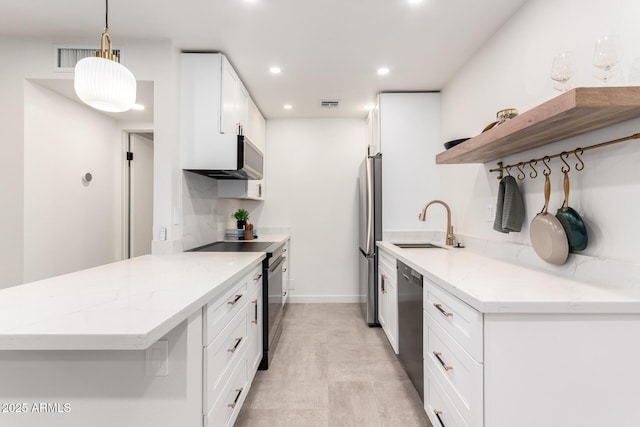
[140,194]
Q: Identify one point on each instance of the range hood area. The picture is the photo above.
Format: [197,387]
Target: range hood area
[242,161]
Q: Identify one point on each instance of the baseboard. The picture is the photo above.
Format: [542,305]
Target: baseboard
[324,299]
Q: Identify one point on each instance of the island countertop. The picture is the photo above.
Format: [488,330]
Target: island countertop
[126,305]
[494,286]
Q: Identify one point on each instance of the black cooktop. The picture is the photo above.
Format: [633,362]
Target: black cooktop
[239,246]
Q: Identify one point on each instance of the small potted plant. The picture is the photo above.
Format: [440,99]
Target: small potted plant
[241,216]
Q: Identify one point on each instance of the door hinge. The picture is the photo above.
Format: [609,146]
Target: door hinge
[129,155]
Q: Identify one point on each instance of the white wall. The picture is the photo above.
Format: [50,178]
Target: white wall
[311,186]
[69,225]
[513,70]
[33,59]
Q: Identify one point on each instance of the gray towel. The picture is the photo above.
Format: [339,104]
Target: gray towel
[510,206]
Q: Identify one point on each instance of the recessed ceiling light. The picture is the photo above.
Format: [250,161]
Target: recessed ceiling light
[137,107]
[415,1]
[287,107]
[383,71]
[275,70]
[369,107]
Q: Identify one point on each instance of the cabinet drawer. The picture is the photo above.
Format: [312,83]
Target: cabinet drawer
[440,410]
[220,311]
[225,410]
[459,320]
[456,371]
[388,261]
[224,352]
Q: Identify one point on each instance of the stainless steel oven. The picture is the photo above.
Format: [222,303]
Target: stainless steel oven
[272,298]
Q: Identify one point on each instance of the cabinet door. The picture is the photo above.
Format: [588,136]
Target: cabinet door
[255,126]
[374,130]
[285,275]
[228,113]
[242,106]
[232,189]
[383,303]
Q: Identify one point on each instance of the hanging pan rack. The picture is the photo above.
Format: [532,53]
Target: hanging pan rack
[564,156]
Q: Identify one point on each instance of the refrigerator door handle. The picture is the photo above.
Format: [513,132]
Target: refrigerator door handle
[370,207]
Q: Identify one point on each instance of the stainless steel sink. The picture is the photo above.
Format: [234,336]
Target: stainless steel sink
[416,246]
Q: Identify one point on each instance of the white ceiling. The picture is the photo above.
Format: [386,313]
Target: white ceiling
[327,49]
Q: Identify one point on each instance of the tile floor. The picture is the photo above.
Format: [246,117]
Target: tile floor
[330,369]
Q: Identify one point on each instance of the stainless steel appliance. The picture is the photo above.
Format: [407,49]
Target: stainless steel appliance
[272,296]
[247,164]
[370,211]
[410,330]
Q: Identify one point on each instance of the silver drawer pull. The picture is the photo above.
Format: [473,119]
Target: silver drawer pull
[438,413]
[258,277]
[406,277]
[235,300]
[284,250]
[235,347]
[444,365]
[255,321]
[284,270]
[235,402]
[441,310]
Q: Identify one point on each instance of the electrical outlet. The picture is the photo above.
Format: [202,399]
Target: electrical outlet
[490,213]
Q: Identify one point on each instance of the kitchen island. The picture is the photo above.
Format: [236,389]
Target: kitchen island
[82,348]
[506,345]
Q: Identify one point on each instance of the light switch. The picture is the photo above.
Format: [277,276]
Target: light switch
[490,213]
[157,359]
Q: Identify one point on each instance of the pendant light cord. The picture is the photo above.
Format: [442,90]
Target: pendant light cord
[106,17]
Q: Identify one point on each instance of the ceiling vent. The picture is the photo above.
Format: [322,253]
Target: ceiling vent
[66,57]
[329,103]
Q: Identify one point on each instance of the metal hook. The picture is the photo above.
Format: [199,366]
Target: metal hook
[508,169]
[579,166]
[546,160]
[521,175]
[564,155]
[533,174]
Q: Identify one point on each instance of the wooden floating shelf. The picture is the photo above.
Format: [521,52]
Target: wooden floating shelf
[575,112]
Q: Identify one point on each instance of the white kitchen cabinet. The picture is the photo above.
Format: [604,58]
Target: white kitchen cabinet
[405,128]
[241,189]
[214,104]
[232,338]
[388,297]
[373,130]
[255,126]
[527,369]
[285,273]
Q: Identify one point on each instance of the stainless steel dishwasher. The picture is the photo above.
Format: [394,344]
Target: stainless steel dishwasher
[410,325]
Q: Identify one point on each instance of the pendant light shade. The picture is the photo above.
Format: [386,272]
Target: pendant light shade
[101,81]
[105,84]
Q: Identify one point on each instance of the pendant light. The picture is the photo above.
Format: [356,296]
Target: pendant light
[101,81]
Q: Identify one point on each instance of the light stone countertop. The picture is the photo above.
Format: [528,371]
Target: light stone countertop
[494,286]
[126,305]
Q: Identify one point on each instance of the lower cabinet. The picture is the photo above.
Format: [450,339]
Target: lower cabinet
[453,356]
[528,369]
[285,274]
[232,334]
[388,297]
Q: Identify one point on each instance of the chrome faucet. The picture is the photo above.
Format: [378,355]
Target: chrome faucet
[423,215]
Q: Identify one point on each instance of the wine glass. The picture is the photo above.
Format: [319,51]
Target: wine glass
[563,69]
[607,54]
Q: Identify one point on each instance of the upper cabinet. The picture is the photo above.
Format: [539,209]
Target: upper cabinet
[215,109]
[373,130]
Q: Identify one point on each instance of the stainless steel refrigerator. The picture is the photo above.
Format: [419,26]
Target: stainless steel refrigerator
[370,232]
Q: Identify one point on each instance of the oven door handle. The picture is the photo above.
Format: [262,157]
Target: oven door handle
[277,264]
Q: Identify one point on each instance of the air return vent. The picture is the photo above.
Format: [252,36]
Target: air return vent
[326,103]
[66,57]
